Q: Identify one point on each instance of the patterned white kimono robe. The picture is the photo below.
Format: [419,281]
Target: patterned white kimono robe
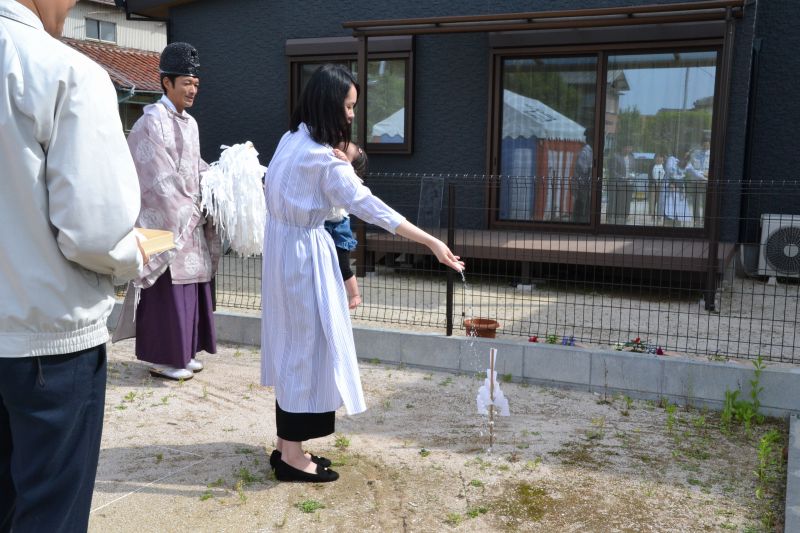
[307,349]
[165,146]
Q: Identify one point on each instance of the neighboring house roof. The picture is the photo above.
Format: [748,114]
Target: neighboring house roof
[127,67]
[529,118]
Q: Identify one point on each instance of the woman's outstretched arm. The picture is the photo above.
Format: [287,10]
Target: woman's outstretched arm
[441,251]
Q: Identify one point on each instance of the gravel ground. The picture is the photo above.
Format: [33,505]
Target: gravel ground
[193,456]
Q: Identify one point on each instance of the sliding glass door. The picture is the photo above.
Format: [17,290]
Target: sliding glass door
[655,112]
[548,110]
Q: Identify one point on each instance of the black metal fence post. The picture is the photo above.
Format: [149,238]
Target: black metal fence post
[451,221]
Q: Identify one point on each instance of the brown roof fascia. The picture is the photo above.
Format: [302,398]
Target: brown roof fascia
[154,9]
[575,18]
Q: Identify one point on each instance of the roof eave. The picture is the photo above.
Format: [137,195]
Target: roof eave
[158,9]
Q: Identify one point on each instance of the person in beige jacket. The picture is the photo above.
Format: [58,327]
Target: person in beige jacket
[69,202]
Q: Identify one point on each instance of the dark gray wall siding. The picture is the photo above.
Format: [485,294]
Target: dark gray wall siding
[775,158]
[244,91]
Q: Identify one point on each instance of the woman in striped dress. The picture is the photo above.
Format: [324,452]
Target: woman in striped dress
[307,349]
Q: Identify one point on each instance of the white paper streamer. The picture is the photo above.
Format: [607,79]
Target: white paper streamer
[233,195]
[484,399]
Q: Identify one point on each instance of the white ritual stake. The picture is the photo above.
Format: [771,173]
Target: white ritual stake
[490,397]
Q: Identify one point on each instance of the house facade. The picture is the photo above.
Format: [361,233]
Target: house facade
[128,49]
[699,90]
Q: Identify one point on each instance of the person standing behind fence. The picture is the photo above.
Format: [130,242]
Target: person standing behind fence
[175,317]
[619,186]
[696,184]
[69,202]
[656,190]
[307,348]
[582,183]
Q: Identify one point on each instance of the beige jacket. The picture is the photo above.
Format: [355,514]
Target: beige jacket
[70,193]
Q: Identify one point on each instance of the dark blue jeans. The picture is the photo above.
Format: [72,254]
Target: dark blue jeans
[51,420]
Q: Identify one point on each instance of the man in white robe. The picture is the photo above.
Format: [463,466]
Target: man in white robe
[174,319]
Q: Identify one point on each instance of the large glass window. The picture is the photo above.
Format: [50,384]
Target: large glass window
[655,134]
[546,146]
[658,116]
[386,100]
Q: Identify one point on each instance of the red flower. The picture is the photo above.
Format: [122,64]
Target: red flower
[533,339]
[637,340]
[659,351]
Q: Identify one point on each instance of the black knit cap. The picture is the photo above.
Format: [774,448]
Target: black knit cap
[180,59]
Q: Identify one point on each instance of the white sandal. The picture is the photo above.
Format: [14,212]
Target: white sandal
[169,372]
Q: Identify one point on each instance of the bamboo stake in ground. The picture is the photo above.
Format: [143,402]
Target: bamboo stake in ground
[492,356]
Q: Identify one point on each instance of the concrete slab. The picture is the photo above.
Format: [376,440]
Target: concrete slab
[698,383]
[378,344]
[626,372]
[475,356]
[792,522]
[781,390]
[557,365]
[238,328]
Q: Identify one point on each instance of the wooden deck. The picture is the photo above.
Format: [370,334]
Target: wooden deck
[661,253]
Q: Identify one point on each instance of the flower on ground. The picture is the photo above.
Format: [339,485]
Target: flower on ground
[533,338]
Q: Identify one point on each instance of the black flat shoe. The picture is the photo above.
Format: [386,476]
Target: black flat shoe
[275,456]
[285,472]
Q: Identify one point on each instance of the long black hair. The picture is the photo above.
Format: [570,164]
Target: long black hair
[321,106]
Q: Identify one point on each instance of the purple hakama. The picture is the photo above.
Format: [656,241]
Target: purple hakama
[174,322]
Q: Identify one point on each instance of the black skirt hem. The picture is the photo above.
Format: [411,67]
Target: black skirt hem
[297,427]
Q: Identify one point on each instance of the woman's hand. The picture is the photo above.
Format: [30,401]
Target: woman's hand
[338,154]
[440,250]
[445,256]
[354,301]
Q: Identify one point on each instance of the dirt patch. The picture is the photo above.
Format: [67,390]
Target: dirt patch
[193,456]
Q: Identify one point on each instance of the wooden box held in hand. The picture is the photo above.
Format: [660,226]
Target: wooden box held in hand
[156,240]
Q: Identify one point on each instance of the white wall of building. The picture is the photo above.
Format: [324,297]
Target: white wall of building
[142,35]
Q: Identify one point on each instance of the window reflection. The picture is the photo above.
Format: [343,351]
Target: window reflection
[659,111]
[546,143]
[386,101]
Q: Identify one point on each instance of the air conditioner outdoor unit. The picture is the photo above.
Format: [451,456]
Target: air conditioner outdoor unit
[780,246]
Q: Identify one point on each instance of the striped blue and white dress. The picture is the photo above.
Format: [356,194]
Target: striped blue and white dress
[307,349]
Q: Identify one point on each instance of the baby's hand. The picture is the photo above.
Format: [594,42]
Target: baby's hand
[338,154]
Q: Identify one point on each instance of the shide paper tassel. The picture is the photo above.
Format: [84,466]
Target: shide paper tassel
[233,194]
[490,393]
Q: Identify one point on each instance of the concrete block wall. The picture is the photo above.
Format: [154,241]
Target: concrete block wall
[642,376]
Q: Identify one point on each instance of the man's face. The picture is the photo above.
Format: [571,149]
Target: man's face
[183,91]
[52,13]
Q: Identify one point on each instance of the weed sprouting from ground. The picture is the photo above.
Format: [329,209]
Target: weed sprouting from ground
[342,442]
[309,506]
[745,411]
